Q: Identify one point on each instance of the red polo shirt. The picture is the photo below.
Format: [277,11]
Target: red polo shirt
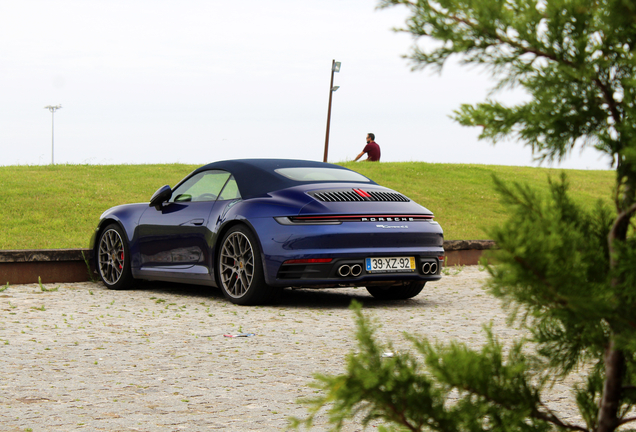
[372,149]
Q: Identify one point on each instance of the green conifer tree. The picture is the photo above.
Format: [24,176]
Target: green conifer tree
[568,275]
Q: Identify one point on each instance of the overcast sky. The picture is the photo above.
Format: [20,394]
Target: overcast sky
[195,81]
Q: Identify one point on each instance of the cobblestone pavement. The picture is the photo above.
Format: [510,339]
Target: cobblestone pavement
[81,357]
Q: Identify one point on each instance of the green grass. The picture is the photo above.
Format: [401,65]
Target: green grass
[462,196]
[58,206]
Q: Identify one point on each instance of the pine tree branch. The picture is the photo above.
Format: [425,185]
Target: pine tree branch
[550,417]
[397,414]
[547,416]
[559,299]
[618,227]
[403,420]
[627,420]
[623,215]
[608,96]
[502,40]
[507,41]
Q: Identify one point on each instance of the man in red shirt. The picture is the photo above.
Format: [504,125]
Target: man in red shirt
[372,149]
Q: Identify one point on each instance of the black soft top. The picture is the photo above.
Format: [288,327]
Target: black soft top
[257,177]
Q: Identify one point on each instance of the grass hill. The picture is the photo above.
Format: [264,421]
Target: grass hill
[51,207]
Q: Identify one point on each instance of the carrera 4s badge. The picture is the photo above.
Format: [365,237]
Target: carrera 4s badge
[391,219]
[392,226]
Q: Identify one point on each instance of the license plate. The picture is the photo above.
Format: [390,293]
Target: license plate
[390,264]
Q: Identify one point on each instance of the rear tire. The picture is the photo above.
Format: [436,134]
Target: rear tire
[113,258]
[240,269]
[400,292]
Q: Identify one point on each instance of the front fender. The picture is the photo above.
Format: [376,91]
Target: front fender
[127,216]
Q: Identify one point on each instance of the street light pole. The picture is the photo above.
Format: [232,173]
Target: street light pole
[335,67]
[53,108]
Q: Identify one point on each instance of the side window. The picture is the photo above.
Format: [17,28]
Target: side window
[230,191]
[204,186]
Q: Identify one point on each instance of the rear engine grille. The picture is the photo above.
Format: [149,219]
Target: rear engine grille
[348,195]
[335,196]
[388,196]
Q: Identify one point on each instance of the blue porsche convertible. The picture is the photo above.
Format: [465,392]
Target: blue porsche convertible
[255,226]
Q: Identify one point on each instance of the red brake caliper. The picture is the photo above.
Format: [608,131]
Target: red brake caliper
[122,260]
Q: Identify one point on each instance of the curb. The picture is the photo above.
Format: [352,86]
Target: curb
[51,265]
[72,265]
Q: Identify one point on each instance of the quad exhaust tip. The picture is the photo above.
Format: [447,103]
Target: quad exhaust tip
[344,270]
[429,268]
[354,270]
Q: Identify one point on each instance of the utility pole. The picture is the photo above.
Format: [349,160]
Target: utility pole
[335,67]
[53,108]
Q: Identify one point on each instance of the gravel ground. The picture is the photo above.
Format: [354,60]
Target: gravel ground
[81,357]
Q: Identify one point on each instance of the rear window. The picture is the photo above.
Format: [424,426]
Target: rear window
[321,174]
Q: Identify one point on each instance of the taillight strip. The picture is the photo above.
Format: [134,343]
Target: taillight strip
[365,217]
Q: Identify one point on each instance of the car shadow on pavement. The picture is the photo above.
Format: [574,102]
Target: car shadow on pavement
[337,299]
[340,298]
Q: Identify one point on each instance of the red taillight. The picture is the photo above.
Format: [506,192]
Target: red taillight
[363,218]
[309,261]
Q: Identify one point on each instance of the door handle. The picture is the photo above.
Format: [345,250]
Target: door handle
[197,222]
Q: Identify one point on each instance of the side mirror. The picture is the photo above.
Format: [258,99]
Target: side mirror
[162,195]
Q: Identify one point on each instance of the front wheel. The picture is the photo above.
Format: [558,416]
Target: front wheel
[400,292]
[113,258]
[240,269]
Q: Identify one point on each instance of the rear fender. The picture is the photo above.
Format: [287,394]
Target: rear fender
[223,229]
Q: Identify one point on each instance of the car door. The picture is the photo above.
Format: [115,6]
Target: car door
[175,238]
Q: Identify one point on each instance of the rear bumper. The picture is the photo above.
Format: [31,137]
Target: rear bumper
[349,243]
[353,272]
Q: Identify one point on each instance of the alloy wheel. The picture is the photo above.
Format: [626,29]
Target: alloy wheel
[237,264]
[111,257]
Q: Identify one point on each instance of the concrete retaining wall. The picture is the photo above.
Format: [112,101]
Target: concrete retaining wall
[71,265]
[51,265]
